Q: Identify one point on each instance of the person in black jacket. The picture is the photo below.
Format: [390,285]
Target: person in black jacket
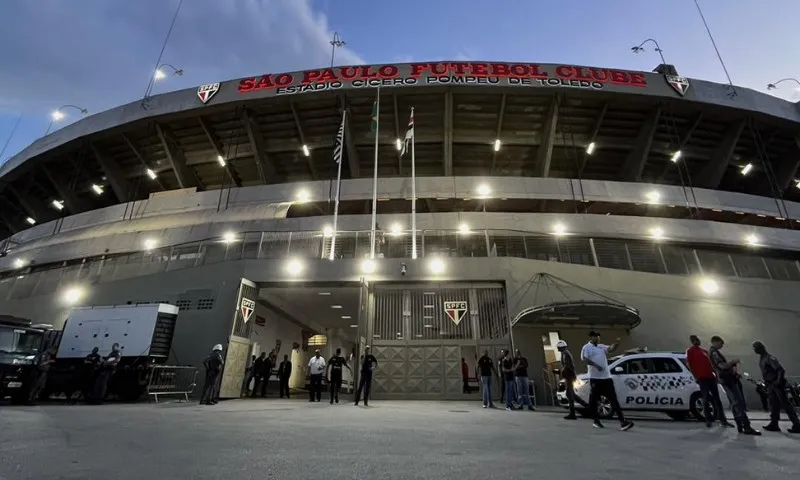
[260,371]
[284,372]
[213,365]
[774,376]
[334,375]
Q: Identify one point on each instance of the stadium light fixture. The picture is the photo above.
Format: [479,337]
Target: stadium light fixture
[752,239]
[798,183]
[396,228]
[58,115]
[327,231]
[368,266]
[220,160]
[497,145]
[306,151]
[774,85]
[149,243]
[161,74]
[151,174]
[484,190]
[640,48]
[31,220]
[463,228]
[97,189]
[72,295]
[590,148]
[19,263]
[58,204]
[398,144]
[746,169]
[653,196]
[709,285]
[436,266]
[229,237]
[294,266]
[657,233]
[303,195]
[559,229]
[676,156]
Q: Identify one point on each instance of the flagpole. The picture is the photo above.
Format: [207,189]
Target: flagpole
[413,193]
[338,186]
[375,175]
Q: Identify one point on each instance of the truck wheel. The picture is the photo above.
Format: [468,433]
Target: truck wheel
[696,407]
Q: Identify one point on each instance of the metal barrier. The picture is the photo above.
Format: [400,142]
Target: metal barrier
[171,380]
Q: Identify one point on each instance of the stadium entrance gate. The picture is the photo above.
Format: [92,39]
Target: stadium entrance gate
[421,332]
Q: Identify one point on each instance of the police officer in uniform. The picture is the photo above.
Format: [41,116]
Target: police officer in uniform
[213,364]
[569,375]
[365,382]
[334,374]
[774,376]
[727,373]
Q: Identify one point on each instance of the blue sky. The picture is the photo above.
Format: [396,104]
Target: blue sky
[100,53]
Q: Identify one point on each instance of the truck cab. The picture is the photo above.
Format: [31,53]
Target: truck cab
[21,342]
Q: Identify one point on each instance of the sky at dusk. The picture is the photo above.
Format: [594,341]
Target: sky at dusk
[98,54]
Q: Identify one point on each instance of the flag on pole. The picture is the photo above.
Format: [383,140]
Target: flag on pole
[338,146]
[409,134]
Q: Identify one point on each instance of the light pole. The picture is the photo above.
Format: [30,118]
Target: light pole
[336,42]
[640,48]
[160,75]
[774,85]
[58,115]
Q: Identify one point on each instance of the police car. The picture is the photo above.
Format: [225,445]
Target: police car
[645,381]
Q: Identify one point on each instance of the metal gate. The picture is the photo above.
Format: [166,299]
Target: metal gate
[418,332]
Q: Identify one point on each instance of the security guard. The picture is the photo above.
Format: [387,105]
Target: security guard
[334,374]
[213,364]
[774,376]
[569,375]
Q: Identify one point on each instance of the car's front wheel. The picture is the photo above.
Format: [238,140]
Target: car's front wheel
[604,407]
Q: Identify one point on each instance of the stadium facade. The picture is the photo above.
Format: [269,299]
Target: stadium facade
[550,199]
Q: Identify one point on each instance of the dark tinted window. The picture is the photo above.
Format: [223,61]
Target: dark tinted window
[635,366]
[666,365]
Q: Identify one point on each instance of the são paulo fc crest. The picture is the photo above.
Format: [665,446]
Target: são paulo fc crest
[455,311]
[678,83]
[248,307]
[205,92]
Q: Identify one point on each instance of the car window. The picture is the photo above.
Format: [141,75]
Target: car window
[666,365]
[635,366]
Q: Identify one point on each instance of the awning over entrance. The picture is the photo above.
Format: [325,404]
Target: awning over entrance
[585,314]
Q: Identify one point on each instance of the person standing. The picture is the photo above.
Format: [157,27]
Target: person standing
[368,365]
[105,373]
[213,365]
[334,375]
[508,376]
[316,369]
[465,375]
[774,376]
[43,363]
[703,371]
[568,373]
[602,385]
[259,368]
[269,365]
[522,380]
[729,378]
[485,369]
[248,375]
[501,380]
[284,373]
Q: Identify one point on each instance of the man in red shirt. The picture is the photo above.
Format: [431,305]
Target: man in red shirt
[700,366]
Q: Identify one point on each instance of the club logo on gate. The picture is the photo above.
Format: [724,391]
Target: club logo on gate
[678,83]
[205,92]
[247,308]
[455,310]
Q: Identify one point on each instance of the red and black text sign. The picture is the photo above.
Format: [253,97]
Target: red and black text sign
[446,73]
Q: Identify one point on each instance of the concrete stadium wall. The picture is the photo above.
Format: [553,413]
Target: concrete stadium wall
[185,216]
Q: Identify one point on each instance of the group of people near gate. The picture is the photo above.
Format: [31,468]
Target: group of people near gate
[710,368]
[260,369]
[516,384]
[91,378]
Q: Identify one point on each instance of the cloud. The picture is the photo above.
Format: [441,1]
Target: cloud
[100,53]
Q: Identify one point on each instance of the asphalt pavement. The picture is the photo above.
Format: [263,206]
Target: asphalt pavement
[294,439]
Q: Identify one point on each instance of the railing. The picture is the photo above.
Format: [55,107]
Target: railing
[171,380]
[635,255]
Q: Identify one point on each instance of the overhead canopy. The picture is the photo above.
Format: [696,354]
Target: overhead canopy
[585,314]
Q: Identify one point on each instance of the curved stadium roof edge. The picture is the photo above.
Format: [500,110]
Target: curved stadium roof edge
[410,75]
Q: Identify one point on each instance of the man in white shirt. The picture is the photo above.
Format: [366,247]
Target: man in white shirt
[602,385]
[316,369]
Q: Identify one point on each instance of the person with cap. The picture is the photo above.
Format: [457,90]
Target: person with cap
[316,369]
[335,366]
[728,376]
[213,365]
[602,385]
[700,365]
[368,364]
[522,380]
[774,376]
[568,373]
